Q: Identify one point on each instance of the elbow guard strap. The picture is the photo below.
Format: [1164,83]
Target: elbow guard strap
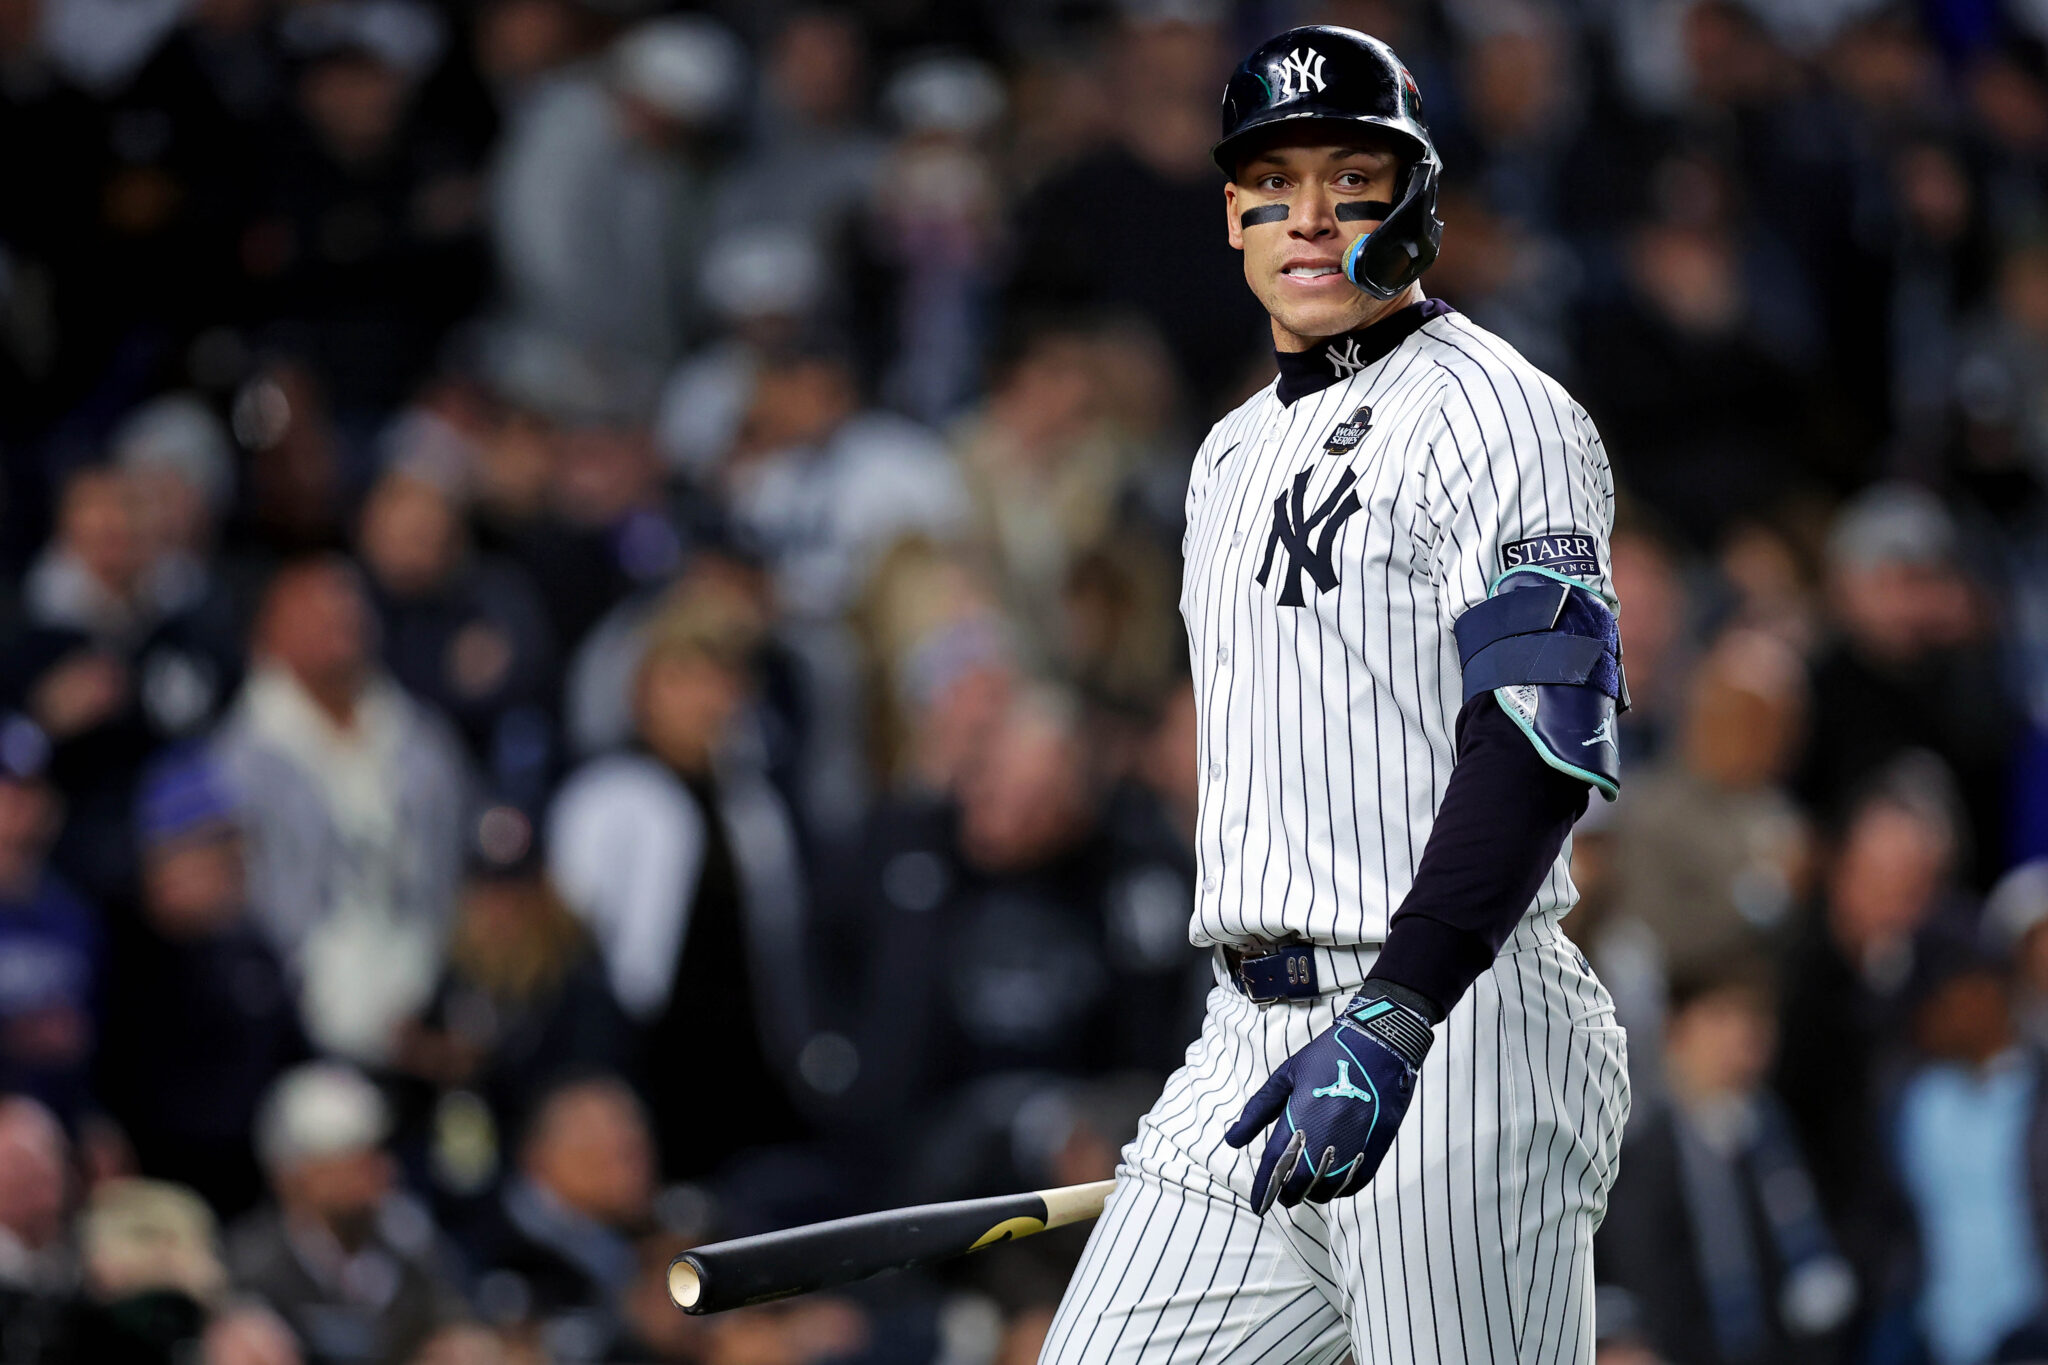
[1549,649]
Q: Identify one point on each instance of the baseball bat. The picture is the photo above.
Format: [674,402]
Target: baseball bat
[776,1265]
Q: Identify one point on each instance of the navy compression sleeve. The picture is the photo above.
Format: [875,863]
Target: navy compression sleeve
[1505,814]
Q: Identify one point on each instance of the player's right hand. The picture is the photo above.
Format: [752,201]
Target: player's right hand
[1334,1105]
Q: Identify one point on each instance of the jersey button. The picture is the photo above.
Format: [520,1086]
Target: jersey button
[1215,771]
[1223,654]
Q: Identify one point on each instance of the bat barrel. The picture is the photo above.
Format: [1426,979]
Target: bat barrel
[776,1265]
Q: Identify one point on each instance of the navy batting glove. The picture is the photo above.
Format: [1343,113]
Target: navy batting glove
[1337,1102]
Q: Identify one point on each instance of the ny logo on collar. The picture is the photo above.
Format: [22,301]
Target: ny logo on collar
[1348,361]
[1298,70]
[1292,527]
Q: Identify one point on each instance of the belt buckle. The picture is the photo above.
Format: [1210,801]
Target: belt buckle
[1288,972]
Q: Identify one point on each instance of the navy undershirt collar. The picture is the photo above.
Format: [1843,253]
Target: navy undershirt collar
[1339,357]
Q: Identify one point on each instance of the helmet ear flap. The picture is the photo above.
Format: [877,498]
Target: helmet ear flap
[1393,255]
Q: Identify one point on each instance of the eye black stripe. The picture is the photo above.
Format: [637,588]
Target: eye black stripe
[1364,210]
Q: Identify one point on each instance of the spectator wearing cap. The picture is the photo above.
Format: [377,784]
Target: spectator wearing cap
[464,632]
[524,999]
[355,1267]
[684,862]
[180,461]
[764,288]
[633,132]
[1912,666]
[52,952]
[353,797]
[557,1244]
[201,1016]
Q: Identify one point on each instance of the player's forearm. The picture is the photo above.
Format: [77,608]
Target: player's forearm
[1504,816]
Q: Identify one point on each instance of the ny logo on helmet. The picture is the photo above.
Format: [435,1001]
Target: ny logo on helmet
[1298,70]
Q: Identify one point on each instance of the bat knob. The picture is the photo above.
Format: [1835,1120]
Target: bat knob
[685,1285]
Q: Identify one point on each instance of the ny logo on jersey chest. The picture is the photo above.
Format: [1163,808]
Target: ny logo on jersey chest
[1307,536]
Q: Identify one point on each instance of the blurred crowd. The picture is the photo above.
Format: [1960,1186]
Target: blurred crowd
[589,654]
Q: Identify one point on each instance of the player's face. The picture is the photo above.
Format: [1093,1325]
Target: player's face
[1295,264]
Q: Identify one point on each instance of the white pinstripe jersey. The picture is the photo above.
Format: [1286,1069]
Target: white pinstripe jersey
[1327,728]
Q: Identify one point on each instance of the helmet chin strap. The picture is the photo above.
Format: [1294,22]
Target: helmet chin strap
[1384,269]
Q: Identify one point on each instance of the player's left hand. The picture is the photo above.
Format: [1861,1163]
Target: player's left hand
[1337,1102]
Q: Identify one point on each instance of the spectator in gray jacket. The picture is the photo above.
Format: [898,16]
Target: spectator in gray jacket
[353,797]
[602,187]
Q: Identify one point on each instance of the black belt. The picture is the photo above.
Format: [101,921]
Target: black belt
[1266,972]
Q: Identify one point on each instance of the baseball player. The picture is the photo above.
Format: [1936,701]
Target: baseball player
[1396,1133]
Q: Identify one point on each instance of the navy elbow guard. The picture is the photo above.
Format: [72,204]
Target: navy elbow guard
[1549,649]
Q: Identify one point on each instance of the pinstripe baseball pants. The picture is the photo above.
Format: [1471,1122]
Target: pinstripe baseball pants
[1473,1243]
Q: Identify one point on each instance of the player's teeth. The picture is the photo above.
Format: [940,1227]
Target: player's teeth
[1311,271]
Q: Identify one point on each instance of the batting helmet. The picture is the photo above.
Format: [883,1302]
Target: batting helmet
[1341,76]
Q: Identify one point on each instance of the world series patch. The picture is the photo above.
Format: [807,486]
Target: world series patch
[1574,556]
[1349,432]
